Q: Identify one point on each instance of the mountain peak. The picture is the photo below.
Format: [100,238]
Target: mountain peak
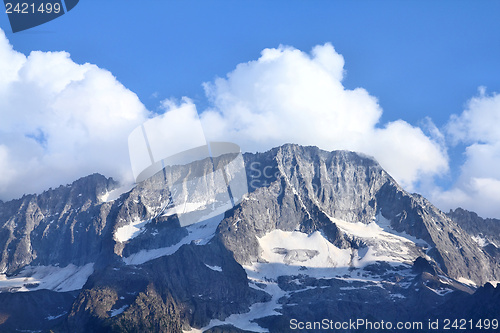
[309,151]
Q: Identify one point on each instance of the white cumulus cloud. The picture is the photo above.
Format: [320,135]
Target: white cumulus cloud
[60,121]
[478,185]
[290,96]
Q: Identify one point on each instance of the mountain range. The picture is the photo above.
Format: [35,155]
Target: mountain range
[321,237]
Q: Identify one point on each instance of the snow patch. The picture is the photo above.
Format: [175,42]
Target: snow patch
[466,281]
[494,283]
[187,207]
[441,291]
[397,296]
[299,249]
[53,278]
[384,243]
[130,231]
[55,317]
[116,312]
[116,193]
[258,310]
[481,241]
[214,268]
[199,233]
[350,288]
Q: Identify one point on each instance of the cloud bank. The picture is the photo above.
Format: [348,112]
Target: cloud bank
[60,121]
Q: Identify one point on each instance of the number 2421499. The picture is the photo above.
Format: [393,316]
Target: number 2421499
[26,8]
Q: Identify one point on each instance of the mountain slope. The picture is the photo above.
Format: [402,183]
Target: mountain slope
[486,232]
[319,235]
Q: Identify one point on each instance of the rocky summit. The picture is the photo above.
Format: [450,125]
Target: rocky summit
[322,240]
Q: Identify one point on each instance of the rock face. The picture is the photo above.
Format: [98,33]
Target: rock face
[486,232]
[63,226]
[309,185]
[319,235]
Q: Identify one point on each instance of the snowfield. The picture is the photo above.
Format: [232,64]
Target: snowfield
[294,252]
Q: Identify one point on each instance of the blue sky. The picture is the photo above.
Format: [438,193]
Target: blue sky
[418,58]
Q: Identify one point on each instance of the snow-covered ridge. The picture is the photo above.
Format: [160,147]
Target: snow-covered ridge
[134,228]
